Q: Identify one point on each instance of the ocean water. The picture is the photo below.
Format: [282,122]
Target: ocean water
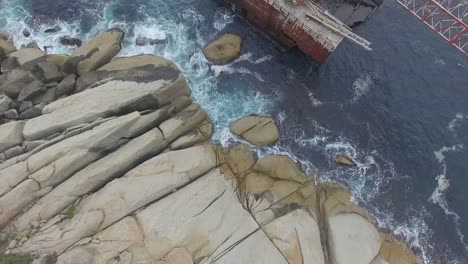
[401,111]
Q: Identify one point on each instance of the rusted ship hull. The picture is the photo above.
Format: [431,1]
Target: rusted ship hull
[291,25]
[282,28]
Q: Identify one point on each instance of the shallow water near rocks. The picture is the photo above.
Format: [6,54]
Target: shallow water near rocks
[400,111]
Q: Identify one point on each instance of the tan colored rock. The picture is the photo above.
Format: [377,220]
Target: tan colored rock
[297,236]
[125,63]
[3,36]
[13,202]
[201,134]
[260,131]
[57,59]
[351,235]
[140,68]
[97,52]
[256,248]
[280,167]
[103,101]
[11,134]
[93,176]
[394,252]
[124,236]
[224,49]
[57,163]
[240,159]
[352,239]
[177,256]
[205,218]
[7,47]
[345,161]
[27,54]
[143,185]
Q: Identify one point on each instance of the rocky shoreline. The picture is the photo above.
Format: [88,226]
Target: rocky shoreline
[108,160]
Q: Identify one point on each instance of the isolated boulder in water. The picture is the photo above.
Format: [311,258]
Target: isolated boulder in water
[96,52]
[53,30]
[345,161]
[144,41]
[26,32]
[257,130]
[70,41]
[224,49]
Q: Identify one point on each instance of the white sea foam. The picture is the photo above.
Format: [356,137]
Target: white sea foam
[222,18]
[362,85]
[438,197]
[232,67]
[315,102]
[454,123]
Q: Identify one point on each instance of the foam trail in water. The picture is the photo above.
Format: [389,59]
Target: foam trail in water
[362,85]
[438,197]
[222,18]
[459,117]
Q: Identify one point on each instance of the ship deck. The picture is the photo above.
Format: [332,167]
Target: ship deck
[297,13]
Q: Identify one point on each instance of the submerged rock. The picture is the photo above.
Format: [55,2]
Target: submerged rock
[33,45]
[224,49]
[144,41]
[54,29]
[345,161]
[70,41]
[26,32]
[257,130]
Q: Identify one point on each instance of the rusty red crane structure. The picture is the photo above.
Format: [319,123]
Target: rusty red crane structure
[448,18]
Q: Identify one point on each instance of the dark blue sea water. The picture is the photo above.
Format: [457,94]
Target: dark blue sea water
[401,110]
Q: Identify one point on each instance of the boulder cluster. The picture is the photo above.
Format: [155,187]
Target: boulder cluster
[116,166]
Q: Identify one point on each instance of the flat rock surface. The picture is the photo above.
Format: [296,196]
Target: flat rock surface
[257,130]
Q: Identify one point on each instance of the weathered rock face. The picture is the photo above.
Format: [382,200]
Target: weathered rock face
[27,54]
[11,135]
[6,47]
[122,171]
[260,131]
[3,36]
[224,49]
[96,52]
